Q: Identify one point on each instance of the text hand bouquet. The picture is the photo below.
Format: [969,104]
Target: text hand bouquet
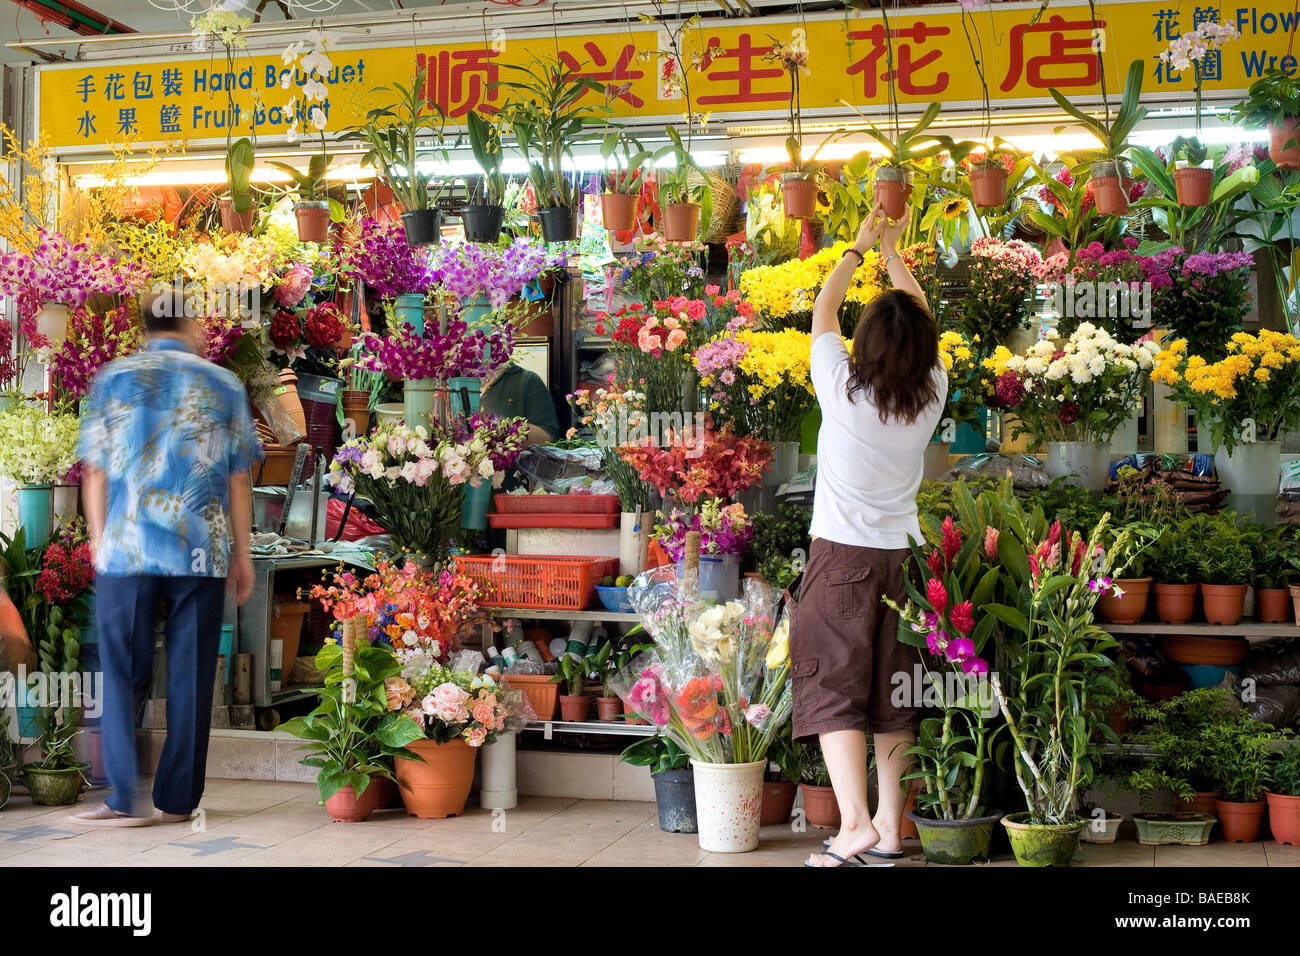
[37,447]
[1255,386]
[407,355]
[1003,275]
[700,463]
[448,704]
[723,529]
[1077,389]
[760,381]
[466,271]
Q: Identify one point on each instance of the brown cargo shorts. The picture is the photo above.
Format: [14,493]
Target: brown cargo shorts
[844,646]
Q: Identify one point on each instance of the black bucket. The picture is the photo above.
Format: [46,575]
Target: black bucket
[675,798]
[557,224]
[482,223]
[422,226]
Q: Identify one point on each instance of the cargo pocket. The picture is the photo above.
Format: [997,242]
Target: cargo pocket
[849,594]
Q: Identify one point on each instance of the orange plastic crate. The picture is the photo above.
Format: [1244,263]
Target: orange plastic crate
[557,504]
[543,581]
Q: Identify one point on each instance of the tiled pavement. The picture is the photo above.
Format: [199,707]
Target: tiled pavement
[260,823]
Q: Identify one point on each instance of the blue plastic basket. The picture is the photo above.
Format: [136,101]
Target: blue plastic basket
[614,599]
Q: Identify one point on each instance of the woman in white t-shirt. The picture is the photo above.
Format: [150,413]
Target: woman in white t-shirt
[880,407]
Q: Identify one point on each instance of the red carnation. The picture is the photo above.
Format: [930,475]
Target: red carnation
[962,617]
[1008,390]
[324,325]
[1069,413]
[285,329]
[937,595]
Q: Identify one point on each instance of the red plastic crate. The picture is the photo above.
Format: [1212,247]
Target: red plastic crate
[592,522]
[545,581]
[557,504]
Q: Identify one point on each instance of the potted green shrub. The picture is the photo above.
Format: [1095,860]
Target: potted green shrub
[572,673]
[1241,760]
[1277,564]
[548,114]
[1225,563]
[56,779]
[609,706]
[674,780]
[1273,101]
[392,134]
[626,164]
[485,212]
[780,787]
[352,737]
[1283,797]
[1109,178]
[1125,602]
[1177,567]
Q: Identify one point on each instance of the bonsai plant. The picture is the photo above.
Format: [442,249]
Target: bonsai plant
[1110,181]
[548,115]
[1177,566]
[485,212]
[674,780]
[626,163]
[56,779]
[1284,797]
[1241,760]
[1225,562]
[352,737]
[392,134]
[1273,101]
[1276,565]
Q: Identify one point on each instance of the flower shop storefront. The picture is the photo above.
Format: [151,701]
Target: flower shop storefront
[525,333]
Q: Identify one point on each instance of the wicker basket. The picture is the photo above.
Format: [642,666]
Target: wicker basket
[726,205]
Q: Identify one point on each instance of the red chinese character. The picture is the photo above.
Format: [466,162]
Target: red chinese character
[744,75]
[1058,47]
[457,82]
[619,77]
[904,39]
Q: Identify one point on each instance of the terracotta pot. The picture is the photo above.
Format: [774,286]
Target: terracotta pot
[439,786]
[1192,184]
[1295,601]
[356,410]
[1284,142]
[1284,817]
[681,221]
[618,211]
[1176,603]
[1223,603]
[1272,605]
[609,708]
[799,195]
[778,802]
[891,195]
[543,693]
[277,469]
[1209,651]
[286,627]
[345,807]
[286,394]
[989,185]
[313,221]
[1202,802]
[631,718]
[1110,189]
[820,807]
[1130,608]
[574,709]
[232,221]
[539,319]
[1240,822]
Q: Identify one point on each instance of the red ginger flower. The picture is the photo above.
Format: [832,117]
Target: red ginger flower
[991,543]
[935,563]
[937,595]
[950,540]
[963,617]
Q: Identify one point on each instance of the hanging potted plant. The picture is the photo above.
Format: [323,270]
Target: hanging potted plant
[353,736]
[988,175]
[548,115]
[684,204]
[1192,178]
[314,210]
[1241,760]
[1283,797]
[1273,101]
[1110,178]
[626,164]
[485,212]
[392,134]
[799,179]
[237,206]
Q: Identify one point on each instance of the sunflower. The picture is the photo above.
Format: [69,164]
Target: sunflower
[953,208]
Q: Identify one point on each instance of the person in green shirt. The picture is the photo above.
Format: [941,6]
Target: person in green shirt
[515,392]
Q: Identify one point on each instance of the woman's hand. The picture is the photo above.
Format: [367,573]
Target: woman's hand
[870,232]
[891,232]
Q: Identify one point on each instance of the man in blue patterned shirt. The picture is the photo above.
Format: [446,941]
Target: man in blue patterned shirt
[167,444]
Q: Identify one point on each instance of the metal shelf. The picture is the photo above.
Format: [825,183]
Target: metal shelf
[550,614]
[617,728]
[1252,631]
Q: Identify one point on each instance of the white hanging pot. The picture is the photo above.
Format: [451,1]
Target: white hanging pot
[52,322]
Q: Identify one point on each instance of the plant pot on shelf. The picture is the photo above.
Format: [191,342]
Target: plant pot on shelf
[346,807]
[1284,817]
[1041,844]
[892,189]
[277,467]
[1192,185]
[1110,186]
[543,694]
[728,805]
[1085,464]
[482,222]
[1272,605]
[423,226]
[439,786]
[356,411]
[675,800]
[313,222]
[1295,601]
[1165,684]
[1103,829]
[681,221]
[1240,822]
[574,709]
[1131,607]
[53,788]
[988,185]
[1224,604]
[609,709]
[1201,801]
[820,807]
[557,224]
[618,211]
[286,627]
[778,802]
[954,842]
[233,221]
[286,396]
[799,195]
[1284,142]
[1185,829]
[1176,603]
[1207,651]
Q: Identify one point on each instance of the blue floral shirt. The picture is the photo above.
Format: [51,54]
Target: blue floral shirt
[168,429]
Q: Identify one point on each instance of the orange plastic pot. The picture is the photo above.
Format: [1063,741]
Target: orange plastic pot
[618,211]
[286,627]
[439,786]
[681,221]
[1284,817]
[1131,607]
[1205,651]
[1284,142]
[1224,603]
[313,221]
[609,709]
[232,221]
[540,690]
[1272,605]
[820,807]
[356,410]
[891,196]
[798,196]
[346,807]
[286,395]
[574,709]
[1176,603]
[1240,822]
[1192,185]
[778,803]
[988,185]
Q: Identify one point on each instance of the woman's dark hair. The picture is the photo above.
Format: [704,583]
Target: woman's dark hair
[895,351]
